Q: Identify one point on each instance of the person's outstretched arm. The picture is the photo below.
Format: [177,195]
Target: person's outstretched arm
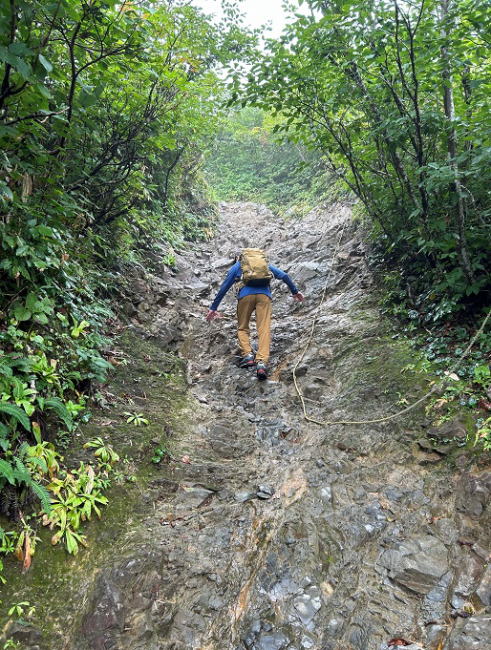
[232,276]
[281,275]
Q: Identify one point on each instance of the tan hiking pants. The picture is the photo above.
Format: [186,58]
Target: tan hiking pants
[262,305]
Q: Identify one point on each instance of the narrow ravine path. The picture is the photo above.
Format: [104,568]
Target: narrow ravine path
[283,535]
[286,535]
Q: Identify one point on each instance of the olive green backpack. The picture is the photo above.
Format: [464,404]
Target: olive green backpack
[255,268]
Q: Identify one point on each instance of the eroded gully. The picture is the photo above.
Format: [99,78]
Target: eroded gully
[285,535]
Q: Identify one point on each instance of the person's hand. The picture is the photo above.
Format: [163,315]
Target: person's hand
[211,315]
[299,297]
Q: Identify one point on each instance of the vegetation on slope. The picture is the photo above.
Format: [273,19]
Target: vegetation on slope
[247,161]
[104,109]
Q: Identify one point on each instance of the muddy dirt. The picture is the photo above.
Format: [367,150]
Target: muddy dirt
[264,531]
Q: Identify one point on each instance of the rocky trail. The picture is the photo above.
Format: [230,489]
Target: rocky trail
[274,533]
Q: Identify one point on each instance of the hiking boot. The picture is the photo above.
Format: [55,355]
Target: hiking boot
[261,370]
[247,362]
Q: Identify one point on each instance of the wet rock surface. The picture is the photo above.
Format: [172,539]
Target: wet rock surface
[280,534]
[417,563]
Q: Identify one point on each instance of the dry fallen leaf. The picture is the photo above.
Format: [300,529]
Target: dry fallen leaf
[27,553]
[90,482]
[440,402]
[452,375]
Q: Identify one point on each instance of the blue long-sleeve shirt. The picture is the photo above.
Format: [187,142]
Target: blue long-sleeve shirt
[235,273]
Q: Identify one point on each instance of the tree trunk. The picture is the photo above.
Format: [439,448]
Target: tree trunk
[449,107]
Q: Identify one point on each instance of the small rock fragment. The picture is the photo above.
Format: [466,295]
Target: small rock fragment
[244,495]
[264,492]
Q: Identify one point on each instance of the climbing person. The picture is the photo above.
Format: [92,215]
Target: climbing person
[252,273]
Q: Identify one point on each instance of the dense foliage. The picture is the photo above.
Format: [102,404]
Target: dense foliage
[395,96]
[247,161]
[104,107]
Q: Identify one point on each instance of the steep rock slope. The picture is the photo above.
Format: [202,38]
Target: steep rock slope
[287,534]
[280,534]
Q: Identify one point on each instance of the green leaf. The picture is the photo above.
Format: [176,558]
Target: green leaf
[4,430]
[36,430]
[5,367]
[46,231]
[43,91]
[71,542]
[79,329]
[17,413]
[41,318]
[29,408]
[21,313]
[45,63]
[38,462]
[32,301]
[22,473]
[18,48]
[87,99]
[8,56]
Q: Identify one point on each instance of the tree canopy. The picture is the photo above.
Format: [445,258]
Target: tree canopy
[395,96]
[247,160]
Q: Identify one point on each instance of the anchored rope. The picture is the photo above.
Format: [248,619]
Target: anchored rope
[399,413]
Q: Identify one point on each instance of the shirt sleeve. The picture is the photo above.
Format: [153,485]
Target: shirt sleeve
[281,275]
[232,276]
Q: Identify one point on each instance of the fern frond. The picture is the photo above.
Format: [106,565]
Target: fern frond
[22,450]
[43,495]
[7,471]
[14,411]
[21,473]
[38,462]
[5,367]
[61,410]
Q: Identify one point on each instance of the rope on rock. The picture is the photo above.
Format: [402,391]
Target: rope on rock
[435,388]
